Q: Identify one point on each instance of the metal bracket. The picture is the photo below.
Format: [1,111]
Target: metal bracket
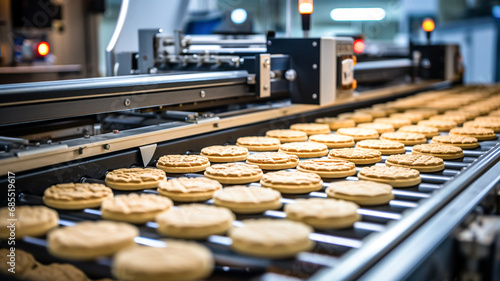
[263,74]
[147,48]
[147,153]
[191,117]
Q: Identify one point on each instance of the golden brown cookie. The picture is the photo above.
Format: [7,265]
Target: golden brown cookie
[379,127]
[484,123]
[189,189]
[386,147]
[478,133]
[494,113]
[336,123]
[24,262]
[292,182]
[414,117]
[444,151]
[273,160]
[271,238]
[194,221]
[134,178]
[55,272]
[90,239]
[395,122]
[358,117]
[420,162]
[406,138]
[248,200]
[287,135]
[74,196]
[234,173]
[333,141]
[356,155]
[304,149]
[358,133]
[311,128]
[367,193]
[259,143]
[374,112]
[225,153]
[395,176]
[426,112]
[468,115]
[463,142]
[323,213]
[458,118]
[29,221]
[178,260]
[428,132]
[183,163]
[441,125]
[135,208]
[328,168]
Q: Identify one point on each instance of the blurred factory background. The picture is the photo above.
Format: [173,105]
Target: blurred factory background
[62,39]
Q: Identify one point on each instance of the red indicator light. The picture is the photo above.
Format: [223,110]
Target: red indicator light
[358,46]
[43,49]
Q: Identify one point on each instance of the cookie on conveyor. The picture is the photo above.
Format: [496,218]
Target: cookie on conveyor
[271,238]
[441,125]
[55,272]
[414,117]
[358,133]
[420,162]
[323,213]
[225,153]
[405,138]
[194,221]
[468,115]
[248,200]
[444,151]
[395,176]
[480,134]
[273,160]
[311,128]
[428,132]
[183,163]
[189,189]
[374,112]
[328,168]
[134,178]
[304,149]
[426,112]
[29,221]
[358,117]
[90,239]
[176,261]
[395,122]
[386,147]
[336,123]
[292,182]
[463,142]
[75,196]
[366,193]
[491,124]
[458,118]
[361,156]
[379,127]
[234,173]
[333,141]
[135,208]
[24,262]
[286,135]
[494,113]
[259,143]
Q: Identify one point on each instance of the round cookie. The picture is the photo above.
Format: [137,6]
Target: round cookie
[428,132]
[395,176]
[328,168]
[31,221]
[443,151]
[75,196]
[395,122]
[24,262]
[234,173]
[134,178]
[194,221]
[374,112]
[323,213]
[287,135]
[90,239]
[463,142]
[178,260]
[420,162]
[386,147]
[358,117]
[225,153]
[358,133]
[441,125]
[379,127]
[271,238]
[414,117]
[468,115]
[304,149]
[189,189]
[292,182]
[478,133]
[495,113]
[259,143]
[426,112]
[311,128]
[366,193]
[336,123]
[485,124]
[135,208]
[55,272]
[458,118]
[273,160]
[405,138]
[183,163]
[333,141]
[248,200]
[356,155]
